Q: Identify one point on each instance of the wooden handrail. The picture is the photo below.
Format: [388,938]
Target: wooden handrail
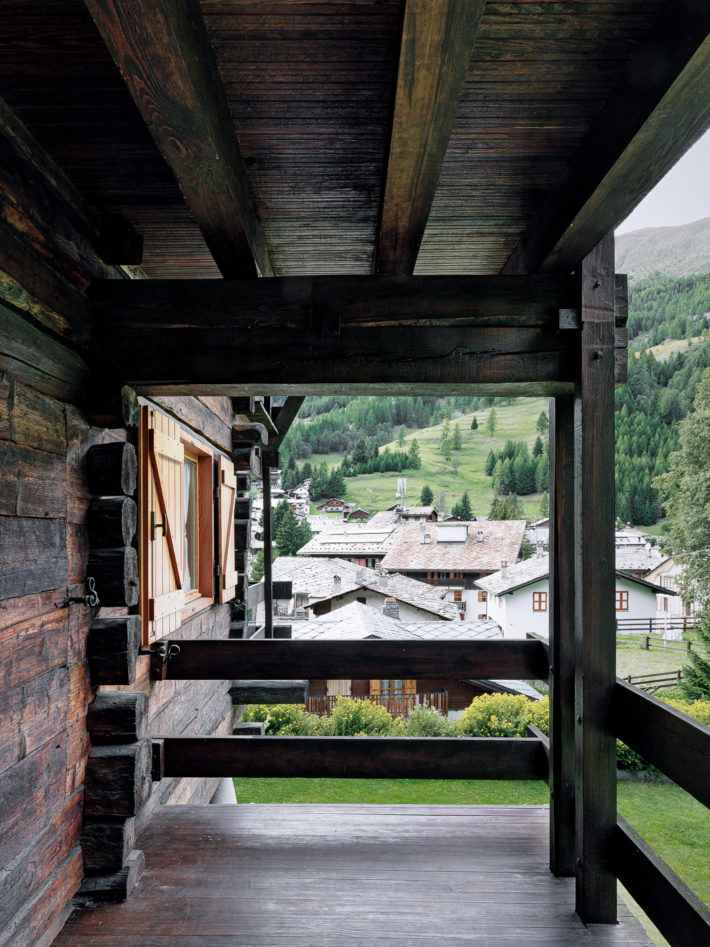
[678,745]
[673,907]
[316,660]
[355,757]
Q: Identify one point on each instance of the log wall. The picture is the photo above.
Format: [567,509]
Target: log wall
[45,683]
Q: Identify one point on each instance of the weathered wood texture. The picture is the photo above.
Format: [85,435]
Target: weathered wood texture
[106,845]
[111,522]
[117,781]
[118,885]
[285,416]
[300,659]
[112,649]
[112,470]
[678,745]
[562,637]
[115,572]
[678,913]
[594,584]
[435,51]
[117,717]
[167,61]
[646,126]
[361,758]
[364,860]
[269,692]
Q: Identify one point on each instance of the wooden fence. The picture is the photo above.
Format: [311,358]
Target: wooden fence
[398,705]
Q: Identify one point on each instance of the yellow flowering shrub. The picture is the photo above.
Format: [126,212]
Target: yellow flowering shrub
[699,709]
[352,717]
[501,715]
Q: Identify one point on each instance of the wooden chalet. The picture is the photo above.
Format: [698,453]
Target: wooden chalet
[204,201]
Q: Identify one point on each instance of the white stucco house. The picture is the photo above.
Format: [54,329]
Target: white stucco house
[668,601]
[518,597]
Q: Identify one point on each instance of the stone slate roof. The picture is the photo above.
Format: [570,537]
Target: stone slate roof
[357,621]
[533,570]
[314,575]
[351,539]
[635,558]
[500,540]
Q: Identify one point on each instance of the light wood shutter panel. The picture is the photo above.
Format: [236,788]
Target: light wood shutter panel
[164,525]
[228,575]
[375,687]
[409,687]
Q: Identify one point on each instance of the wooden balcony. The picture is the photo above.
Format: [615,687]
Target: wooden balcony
[398,705]
[315,876]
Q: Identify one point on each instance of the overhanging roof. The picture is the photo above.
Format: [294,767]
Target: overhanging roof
[279,139]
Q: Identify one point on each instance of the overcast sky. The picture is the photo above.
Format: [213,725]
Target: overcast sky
[682,197]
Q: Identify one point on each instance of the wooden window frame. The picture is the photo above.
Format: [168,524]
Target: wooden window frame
[539,601]
[622,600]
[174,441]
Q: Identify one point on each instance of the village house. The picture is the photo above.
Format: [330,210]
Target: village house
[333,505]
[670,605]
[356,621]
[204,203]
[323,585]
[362,543]
[454,555]
[518,599]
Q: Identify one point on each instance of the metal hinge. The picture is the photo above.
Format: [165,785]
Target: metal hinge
[217,570]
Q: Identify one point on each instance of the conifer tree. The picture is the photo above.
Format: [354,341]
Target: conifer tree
[474,424]
[414,457]
[537,447]
[545,504]
[456,438]
[491,423]
[426,498]
[543,423]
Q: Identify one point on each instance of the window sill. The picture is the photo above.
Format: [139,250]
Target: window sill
[194,606]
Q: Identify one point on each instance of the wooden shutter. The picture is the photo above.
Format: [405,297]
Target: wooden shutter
[375,687]
[162,522]
[228,575]
[409,687]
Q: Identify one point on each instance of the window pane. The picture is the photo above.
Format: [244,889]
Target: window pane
[190,514]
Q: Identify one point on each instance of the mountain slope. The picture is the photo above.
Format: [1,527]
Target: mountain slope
[674,251]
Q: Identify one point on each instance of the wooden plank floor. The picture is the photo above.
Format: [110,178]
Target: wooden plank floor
[321,876]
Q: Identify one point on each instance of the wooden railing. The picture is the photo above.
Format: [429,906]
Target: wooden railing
[653,626]
[398,705]
[680,747]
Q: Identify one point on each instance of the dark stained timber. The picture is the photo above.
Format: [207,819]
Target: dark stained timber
[678,745]
[651,118]
[676,911]
[562,641]
[305,302]
[594,584]
[356,757]
[435,51]
[165,56]
[314,660]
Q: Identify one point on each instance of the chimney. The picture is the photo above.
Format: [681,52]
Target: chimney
[383,580]
[360,575]
[299,614]
[539,548]
[390,608]
[504,568]
[336,584]
[422,529]
[479,536]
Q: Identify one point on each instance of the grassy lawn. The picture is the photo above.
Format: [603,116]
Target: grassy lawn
[426,792]
[465,470]
[632,658]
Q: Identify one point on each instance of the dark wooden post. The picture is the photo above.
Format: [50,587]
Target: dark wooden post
[595,771]
[562,645]
[268,558]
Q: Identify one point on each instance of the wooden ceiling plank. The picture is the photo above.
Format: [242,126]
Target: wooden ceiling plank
[657,111]
[435,52]
[164,54]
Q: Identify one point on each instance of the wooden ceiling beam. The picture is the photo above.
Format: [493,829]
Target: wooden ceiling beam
[659,108]
[166,59]
[329,304]
[284,417]
[437,41]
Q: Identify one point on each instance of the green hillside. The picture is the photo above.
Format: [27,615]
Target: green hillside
[515,421]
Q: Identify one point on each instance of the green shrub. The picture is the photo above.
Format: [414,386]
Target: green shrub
[353,717]
[282,719]
[629,759]
[426,721]
[497,715]
[699,709]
